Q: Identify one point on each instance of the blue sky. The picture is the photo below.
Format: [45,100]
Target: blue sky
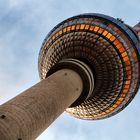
[23,26]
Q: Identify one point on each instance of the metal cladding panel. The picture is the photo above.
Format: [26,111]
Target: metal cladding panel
[136,28]
[109,47]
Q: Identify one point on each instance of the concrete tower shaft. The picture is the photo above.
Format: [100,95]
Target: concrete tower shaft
[26,116]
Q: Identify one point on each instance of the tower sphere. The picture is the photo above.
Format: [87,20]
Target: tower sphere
[109,47]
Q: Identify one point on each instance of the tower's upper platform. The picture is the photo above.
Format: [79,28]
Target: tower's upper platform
[109,47]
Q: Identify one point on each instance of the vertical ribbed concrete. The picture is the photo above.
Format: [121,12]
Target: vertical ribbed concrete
[30,113]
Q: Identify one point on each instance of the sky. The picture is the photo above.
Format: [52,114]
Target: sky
[23,27]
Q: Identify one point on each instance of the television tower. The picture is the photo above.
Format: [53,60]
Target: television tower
[88,65]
